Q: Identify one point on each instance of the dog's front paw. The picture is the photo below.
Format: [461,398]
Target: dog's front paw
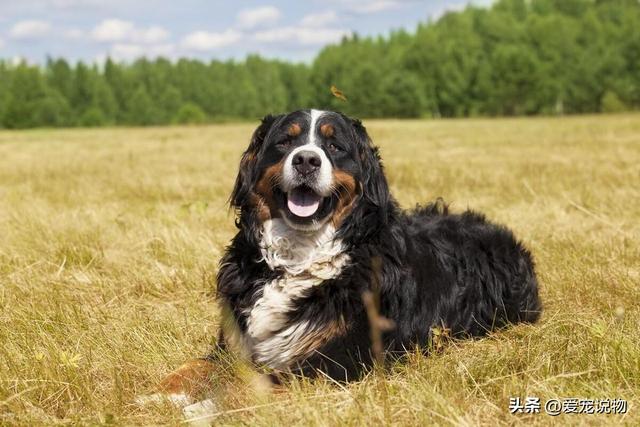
[200,413]
[179,400]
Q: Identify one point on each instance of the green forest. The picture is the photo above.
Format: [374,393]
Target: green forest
[518,57]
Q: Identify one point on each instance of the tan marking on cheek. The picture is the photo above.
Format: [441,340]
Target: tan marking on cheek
[347,189]
[294,130]
[269,178]
[263,197]
[326,130]
[264,213]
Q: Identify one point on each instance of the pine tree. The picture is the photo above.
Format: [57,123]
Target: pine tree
[141,110]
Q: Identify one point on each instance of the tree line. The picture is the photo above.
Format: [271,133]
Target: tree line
[518,57]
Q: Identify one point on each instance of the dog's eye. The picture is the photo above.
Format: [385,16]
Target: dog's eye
[333,148]
[284,143]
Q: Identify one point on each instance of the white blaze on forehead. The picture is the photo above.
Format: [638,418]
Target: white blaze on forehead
[315,115]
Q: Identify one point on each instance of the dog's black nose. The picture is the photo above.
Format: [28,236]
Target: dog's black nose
[306,162]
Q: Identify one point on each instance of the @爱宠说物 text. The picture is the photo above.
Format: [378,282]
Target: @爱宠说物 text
[553,407]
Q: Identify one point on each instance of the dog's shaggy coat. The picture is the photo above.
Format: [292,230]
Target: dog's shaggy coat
[315,216]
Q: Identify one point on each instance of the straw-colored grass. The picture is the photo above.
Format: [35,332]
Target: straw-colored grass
[109,243]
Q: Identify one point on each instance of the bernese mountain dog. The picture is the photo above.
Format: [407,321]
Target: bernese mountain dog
[320,237]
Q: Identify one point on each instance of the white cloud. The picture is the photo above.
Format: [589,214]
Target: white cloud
[127,51]
[204,41]
[1,43]
[301,35]
[154,34]
[111,30]
[130,51]
[251,18]
[375,6]
[319,19]
[29,29]
[116,30]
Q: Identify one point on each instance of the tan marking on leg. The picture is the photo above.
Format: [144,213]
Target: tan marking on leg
[316,339]
[190,379]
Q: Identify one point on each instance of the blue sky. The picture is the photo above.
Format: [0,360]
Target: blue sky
[91,30]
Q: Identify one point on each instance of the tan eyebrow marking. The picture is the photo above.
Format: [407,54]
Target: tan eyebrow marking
[326,130]
[294,130]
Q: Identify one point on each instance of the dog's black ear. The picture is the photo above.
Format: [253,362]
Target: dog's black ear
[375,190]
[244,181]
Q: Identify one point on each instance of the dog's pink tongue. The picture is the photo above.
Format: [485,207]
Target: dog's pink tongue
[303,203]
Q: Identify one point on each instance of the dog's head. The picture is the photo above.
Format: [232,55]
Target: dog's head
[310,168]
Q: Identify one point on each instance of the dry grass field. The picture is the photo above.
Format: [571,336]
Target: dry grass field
[109,243]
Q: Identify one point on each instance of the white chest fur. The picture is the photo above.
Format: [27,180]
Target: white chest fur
[308,259]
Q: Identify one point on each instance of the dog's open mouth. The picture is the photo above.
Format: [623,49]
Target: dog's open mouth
[303,202]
